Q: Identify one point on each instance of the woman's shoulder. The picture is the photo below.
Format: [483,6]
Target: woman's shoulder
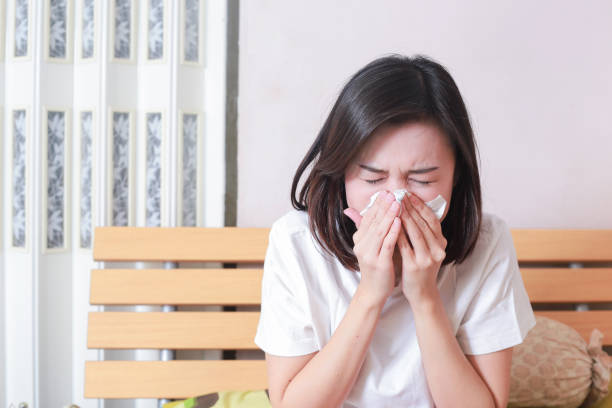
[293,229]
[293,221]
[492,226]
[493,256]
[494,237]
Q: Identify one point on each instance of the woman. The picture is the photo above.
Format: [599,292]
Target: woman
[395,307]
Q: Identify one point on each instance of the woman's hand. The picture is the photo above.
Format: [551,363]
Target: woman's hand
[420,261]
[377,233]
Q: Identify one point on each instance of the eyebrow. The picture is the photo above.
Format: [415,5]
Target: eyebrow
[414,171]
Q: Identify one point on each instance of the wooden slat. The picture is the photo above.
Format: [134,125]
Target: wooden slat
[541,245]
[585,322]
[176,286]
[171,379]
[228,244]
[175,331]
[231,244]
[564,285]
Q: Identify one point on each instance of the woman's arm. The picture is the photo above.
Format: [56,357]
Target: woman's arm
[452,380]
[494,369]
[325,378]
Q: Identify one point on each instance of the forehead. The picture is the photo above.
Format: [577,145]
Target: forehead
[416,141]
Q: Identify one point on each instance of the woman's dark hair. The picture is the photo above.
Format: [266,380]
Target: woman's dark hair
[390,90]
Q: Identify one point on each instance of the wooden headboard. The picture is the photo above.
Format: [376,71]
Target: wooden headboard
[558,266]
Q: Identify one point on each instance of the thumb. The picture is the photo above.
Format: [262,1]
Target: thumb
[353,215]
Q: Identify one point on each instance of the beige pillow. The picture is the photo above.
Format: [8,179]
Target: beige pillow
[554,367]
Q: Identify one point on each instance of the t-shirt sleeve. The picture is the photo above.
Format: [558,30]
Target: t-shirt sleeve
[500,314]
[285,325]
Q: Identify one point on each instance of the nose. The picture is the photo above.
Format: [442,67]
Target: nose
[398,184]
[395,185]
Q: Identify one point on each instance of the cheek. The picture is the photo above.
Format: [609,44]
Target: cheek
[443,187]
[426,194]
[357,194]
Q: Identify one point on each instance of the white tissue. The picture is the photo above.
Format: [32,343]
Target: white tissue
[437,205]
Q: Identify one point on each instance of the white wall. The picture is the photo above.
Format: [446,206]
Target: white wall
[536,77]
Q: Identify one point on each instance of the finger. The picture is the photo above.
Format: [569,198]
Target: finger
[382,228]
[417,238]
[382,204]
[363,222]
[373,238]
[354,215]
[404,247]
[388,245]
[378,211]
[374,215]
[433,242]
[426,214]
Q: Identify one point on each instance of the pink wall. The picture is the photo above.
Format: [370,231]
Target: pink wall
[536,77]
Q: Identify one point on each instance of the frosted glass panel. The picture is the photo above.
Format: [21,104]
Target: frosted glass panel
[154,135]
[189,170]
[121,163]
[19,178]
[86,179]
[56,136]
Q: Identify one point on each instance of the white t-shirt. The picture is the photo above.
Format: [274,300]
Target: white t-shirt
[306,292]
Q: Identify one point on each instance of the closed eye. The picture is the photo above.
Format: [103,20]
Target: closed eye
[372,181]
[423,182]
[418,181]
